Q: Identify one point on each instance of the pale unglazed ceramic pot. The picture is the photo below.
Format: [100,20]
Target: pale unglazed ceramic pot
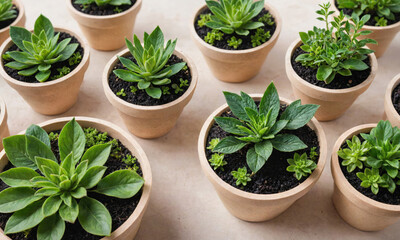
[333,102]
[258,207]
[108,32]
[236,66]
[355,208]
[390,112]
[4,132]
[383,35]
[130,227]
[50,97]
[19,21]
[149,121]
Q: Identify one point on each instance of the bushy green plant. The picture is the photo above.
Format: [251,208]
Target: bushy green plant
[204,18]
[241,176]
[267,19]
[58,193]
[234,42]
[372,179]
[217,161]
[213,143]
[214,35]
[354,156]
[335,48]
[6,11]
[149,71]
[260,37]
[102,3]
[301,165]
[381,22]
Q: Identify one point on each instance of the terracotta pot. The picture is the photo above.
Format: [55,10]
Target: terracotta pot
[390,112]
[236,65]
[333,102]
[19,22]
[130,227]
[51,97]
[356,209]
[108,32]
[4,132]
[258,207]
[383,35]
[149,121]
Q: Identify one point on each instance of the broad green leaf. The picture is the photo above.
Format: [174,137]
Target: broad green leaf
[324,72]
[126,75]
[92,177]
[298,115]
[121,184]
[355,64]
[67,198]
[47,166]
[270,101]
[69,213]
[18,35]
[252,25]
[39,133]
[43,24]
[25,219]
[97,155]
[229,145]
[15,147]
[247,101]
[19,177]
[287,143]
[235,104]
[68,165]
[36,148]
[51,205]
[16,198]
[154,92]
[264,149]
[175,68]
[43,76]
[47,191]
[68,51]
[51,228]
[72,139]
[230,125]
[94,217]
[254,161]
[78,193]
[383,130]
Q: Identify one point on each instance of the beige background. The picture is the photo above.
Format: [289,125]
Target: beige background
[183,204]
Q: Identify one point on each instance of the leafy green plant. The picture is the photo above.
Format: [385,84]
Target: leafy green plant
[267,19]
[75,58]
[134,89]
[204,18]
[241,176]
[149,71]
[260,37]
[355,154]
[372,179]
[6,10]
[117,10]
[234,42]
[260,126]
[335,48]
[217,161]
[102,3]
[381,22]
[313,154]
[301,165]
[121,93]
[234,16]
[214,35]
[165,90]
[213,143]
[61,72]
[57,192]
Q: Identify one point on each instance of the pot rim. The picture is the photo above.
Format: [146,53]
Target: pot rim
[311,180]
[3,113]
[21,14]
[267,6]
[7,44]
[388,95]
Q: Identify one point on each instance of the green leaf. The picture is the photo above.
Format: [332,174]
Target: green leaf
[25,219]
[18,35]
[18,177]
[16,198]
[298,115]
[174,69]
[97,155]
[94,217]
[68,51]
[355,64]
[230,125]
[254,161]
[39,133]
[92,177]
[47,191]
[47,166]
[383,130]
[67,198]
[72,139]
[51,205]
[143,85]
[43,76]
[126,75]
[69,213]
[252,25]
[235,104]
[68,165]
[229,145]
[36,148]
[287,143]
[15,148]
[51,228]
[78,193]
[324,72]
[43,24]
[247,101]
[270,101]
[154,92]
[264,149]
[304,37]
[121,184]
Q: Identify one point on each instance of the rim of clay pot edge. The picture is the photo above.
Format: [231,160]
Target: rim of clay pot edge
[110,65]
[97,17]
[388,95]
[3,112]
[85,58]
[311,180]
[272,10]
[361,200]
[144,164]
[289,67]
[21,14]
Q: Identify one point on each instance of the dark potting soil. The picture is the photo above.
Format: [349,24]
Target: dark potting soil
[140,97]
[120,209]
[272,177]
[31,79]
[383,195]
[396,98]
[340,82]
[6,23]
[93,9]
[223,44]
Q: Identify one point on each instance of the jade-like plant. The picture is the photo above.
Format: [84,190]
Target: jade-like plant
[149,70]
[335,49]
[38,50]
[241,176]
[102,3]
[301,165]
[47,192]
[6,11]
[354,156]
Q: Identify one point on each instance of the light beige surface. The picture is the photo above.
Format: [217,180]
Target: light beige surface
[183,204]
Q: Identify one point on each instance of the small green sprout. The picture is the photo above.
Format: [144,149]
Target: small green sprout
[381,22]
[217,161]
[103,3]
[61,72]
[165,90]
[260,37]
[183,83]
[121,93]
[214,35]
[355,155]
[313,154]
[213,143]
[267,19]
[371,178]
[177,88]
[204,18]
[241,176]
[117,10]
[133,89]
[301,165]
[185,68]
[233,42]
[75,58]
[53,136]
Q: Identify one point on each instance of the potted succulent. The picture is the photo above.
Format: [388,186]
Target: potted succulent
[384,22]
[150,85]
[80,178]
[105,23]
[365,169]
[235,36]
[45,66]
[262,153]
[4,132]
[12,13]
[392,101]
[329,66]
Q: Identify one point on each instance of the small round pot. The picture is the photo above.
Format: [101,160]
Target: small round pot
[19,21]
[333,102]
[130,227]
[258,207]
[51,97]
[149,121]
[391,114]
[106,33]
[4,132]
[356,209]
[383,35]
[236,66]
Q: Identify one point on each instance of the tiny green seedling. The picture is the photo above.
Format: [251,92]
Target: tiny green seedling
[133,89]
[356,153]
[267,19]
[234,42]
[217,161]
[260,37]
[165,90]
[75,58]
[6,10]
[301,165]
[372,179]
[121,93]
[214,35]
[213,143]
[241,176]
[61,72]
[102,3]
[204,18]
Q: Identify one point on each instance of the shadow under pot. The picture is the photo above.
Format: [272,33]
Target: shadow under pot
[51,97]
[4,131]
[144,116]
[106,32]
[334,98]
[235,66]
[18,21]
[275,189]
[392,101]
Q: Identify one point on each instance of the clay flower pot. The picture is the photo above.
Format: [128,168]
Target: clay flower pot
[391,114]
[20,21]
[333,102]
[4,132]
[258,207]
[130,227]
[108,32]
[236,65]
[51,97]
[149,121]
[356,209]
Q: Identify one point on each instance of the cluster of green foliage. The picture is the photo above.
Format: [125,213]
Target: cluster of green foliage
[75,58]
[378,155]
[149,71]
[302,166]
[335,48]
[217,160]
[234,42]
[260,37]
[58,192]
[241,176]
[204,18]
[214,35]
[61,72]
[6,10]
[267,19]
[102,3]
[121,93]
[131,162]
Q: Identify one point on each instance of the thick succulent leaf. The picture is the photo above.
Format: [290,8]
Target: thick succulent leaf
[19,177]
[68,51]
[51,228]
[143,85]
[43,76]
[241,32]
[270,101]
[252,25]
[156,38]
[230,125]
[120,2]
[43,24]
[22,57]
[61,46]
[94,217]
[298,115]
[161,82]
[72,139]
[92,176]
[175,68]
[16,198]
[18,35]
[229,145]
[254,161]
[17,65]
[39,133]
[97,155]
[154,92]
[127,75]
[29,71]
[69,213]
[129,64]
[78,193]
[287,143]
[25,219]
[120,184]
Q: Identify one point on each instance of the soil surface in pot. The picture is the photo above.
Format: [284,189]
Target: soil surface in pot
[223,43]
[272,177]
[6,23]
[132,94]
[383,195]
[54,67]
[340,82]
[93,9]
[396,98]
[120,209]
